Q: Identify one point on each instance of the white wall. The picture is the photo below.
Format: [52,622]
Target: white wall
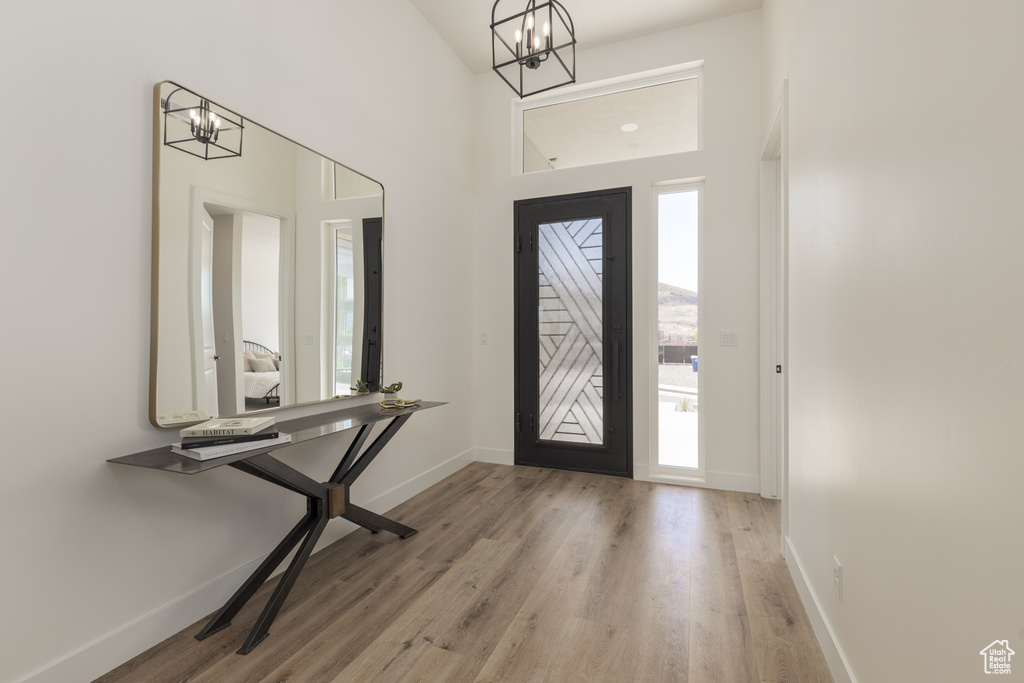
[731,50]
[313,285]
[90,546]
[906,324]
[260,297]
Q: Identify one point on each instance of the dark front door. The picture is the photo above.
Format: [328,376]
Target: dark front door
[373,279]
[573,351]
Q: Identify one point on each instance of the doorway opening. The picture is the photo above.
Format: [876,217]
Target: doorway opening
[352,295]
[774,309]
[240,303]
[677,222]
[344,294]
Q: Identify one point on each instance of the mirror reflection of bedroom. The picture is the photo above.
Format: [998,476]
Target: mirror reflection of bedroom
[245,309]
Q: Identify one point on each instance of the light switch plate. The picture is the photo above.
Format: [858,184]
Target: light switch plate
[730,338]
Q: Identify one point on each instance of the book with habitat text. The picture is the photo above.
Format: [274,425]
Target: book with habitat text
[229,449]
[227,426]
[268,432]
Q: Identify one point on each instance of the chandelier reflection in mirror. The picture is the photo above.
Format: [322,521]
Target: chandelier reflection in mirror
[522,42]
[205,124]
[193,125]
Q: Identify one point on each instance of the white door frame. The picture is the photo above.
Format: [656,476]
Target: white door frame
[774,332]
[286,307]
[329,313]
[204,357]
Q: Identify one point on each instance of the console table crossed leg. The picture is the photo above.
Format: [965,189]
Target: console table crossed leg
[324,501]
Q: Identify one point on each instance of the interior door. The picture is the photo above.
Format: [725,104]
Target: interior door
[573,365]
[208,388]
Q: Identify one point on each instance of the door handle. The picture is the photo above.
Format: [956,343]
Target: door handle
[216,357]
[615,371]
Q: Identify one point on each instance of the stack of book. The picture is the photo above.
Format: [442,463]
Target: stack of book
[228,436]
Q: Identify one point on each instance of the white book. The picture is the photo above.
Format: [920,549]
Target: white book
[228,426]
[210,452]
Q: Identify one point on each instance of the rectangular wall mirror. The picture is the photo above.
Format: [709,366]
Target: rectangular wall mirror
[267,267]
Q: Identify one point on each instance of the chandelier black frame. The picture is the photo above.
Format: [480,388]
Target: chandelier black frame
[205,126]
[525,50]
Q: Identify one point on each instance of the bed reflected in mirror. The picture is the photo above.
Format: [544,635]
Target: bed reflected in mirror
[267,267]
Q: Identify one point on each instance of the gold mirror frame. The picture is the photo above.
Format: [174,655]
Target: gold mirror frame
[174,416]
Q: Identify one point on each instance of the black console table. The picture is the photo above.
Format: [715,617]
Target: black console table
[324,501]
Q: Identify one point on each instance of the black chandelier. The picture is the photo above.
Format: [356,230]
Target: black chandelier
[211,134]
[522,42]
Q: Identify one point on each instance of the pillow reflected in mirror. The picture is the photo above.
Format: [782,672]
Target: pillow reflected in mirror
[262,365]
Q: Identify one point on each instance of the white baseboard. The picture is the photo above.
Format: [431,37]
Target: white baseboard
[115,648]
[496,456]
[837,662]
[728,481]
[723,481]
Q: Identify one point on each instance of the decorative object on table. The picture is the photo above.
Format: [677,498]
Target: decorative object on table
[392,389]
[399,402]
[228,426]
[524,40]
[362,387]
[268,432]
[210,452]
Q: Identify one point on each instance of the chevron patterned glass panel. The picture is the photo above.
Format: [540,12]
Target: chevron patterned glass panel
[571,381]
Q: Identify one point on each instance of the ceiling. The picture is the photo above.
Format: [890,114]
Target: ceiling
[465,24]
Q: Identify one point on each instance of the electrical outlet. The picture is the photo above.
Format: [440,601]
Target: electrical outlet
[837,577]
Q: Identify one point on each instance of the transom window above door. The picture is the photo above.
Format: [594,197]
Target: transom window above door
[644,115]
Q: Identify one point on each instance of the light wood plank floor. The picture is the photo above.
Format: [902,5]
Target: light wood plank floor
[523,574]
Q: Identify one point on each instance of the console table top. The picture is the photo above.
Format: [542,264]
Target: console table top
[300,428]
